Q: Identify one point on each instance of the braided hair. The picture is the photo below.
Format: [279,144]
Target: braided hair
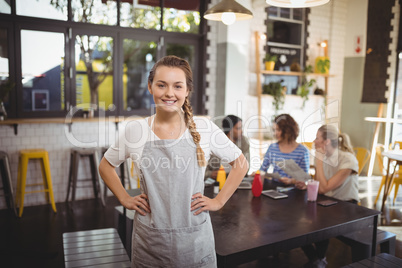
[176,62]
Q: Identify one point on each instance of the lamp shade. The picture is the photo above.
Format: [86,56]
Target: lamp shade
[228,6]
[296,3]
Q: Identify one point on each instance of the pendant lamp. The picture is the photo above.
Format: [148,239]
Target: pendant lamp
[228,11]
[296,3]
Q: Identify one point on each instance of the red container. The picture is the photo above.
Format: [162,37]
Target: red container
[257,184]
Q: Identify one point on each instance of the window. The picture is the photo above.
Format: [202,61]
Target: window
[95,11]
[94,54]
[285,34]
[42,66]
[182,16]
[42,9]
[5,7]
[285,38]
[141,14]
[139,57]
[94,72]
[5,84]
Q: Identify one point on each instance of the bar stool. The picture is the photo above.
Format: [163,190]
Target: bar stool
[75,156]
[7,184]
[24,157]
[124,169]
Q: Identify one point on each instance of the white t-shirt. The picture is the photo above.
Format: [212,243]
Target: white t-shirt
[135,134]
[349,189]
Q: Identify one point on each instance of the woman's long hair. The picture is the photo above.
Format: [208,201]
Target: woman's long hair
[338,140]
[176,62]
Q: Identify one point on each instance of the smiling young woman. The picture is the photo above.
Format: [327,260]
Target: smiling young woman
[172,227]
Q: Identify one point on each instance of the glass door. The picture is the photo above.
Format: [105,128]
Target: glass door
[138,56]
[94,69]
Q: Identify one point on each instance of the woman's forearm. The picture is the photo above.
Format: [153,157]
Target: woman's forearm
[236,175]
[320,176]
[112,180]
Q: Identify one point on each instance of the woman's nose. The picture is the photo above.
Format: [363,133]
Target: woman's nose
[169,92]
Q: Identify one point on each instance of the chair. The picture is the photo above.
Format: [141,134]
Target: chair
[397,177]
[308,144]
[25,156]
[363,156]
[75,156]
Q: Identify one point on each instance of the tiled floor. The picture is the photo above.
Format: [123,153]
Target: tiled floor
[35,240]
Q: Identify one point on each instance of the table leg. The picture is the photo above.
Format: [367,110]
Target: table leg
[385,195]
[374,239]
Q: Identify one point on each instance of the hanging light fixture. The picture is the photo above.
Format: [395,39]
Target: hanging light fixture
[296,3]
[228,11]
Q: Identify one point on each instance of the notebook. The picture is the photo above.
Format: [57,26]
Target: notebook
[290,167]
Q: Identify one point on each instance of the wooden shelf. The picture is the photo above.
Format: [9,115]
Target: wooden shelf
[293,73]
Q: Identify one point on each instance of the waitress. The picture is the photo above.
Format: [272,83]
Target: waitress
[172,226]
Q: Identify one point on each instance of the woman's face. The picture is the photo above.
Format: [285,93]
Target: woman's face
[169,89]
[277,133]
[319,141]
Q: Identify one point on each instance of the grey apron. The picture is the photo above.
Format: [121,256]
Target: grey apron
[171,236]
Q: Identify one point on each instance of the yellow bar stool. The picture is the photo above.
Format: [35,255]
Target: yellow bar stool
[24,157]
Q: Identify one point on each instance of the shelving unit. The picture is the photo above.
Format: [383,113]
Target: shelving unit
[264,72]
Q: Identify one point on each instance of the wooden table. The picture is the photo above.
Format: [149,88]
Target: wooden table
[393,156]
[249,228]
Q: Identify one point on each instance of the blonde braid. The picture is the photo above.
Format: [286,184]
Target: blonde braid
[188,118]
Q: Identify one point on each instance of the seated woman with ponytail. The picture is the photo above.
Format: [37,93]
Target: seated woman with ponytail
[170,151]
[336,169]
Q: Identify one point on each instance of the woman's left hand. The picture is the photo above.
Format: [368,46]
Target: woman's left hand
[203,203]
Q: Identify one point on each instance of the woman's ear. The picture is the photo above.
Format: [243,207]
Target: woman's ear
[327,142]
[150,88]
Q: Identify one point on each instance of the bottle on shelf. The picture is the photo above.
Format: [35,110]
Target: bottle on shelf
[256,188]
[221,177]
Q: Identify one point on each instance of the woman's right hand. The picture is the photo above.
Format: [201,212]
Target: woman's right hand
[138,203]
[300,185]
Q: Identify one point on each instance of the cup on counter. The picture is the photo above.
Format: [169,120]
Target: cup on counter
[312,190]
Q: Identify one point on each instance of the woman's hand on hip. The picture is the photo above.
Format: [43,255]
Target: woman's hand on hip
[138,203]
[203,203]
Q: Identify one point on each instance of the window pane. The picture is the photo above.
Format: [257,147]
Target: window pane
[183,51]
[182,20]
[95,11]
[284,32]
[141,14]
[285,13]
[43,9]
[6,86]
[273,11]
[5,7]
[298,14]
[42,65]
[139,57]
[94,72]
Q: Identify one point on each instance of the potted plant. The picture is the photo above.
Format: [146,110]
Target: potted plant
[322,65]
[277,91]
[270,61]
[304,88]
[5,88]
